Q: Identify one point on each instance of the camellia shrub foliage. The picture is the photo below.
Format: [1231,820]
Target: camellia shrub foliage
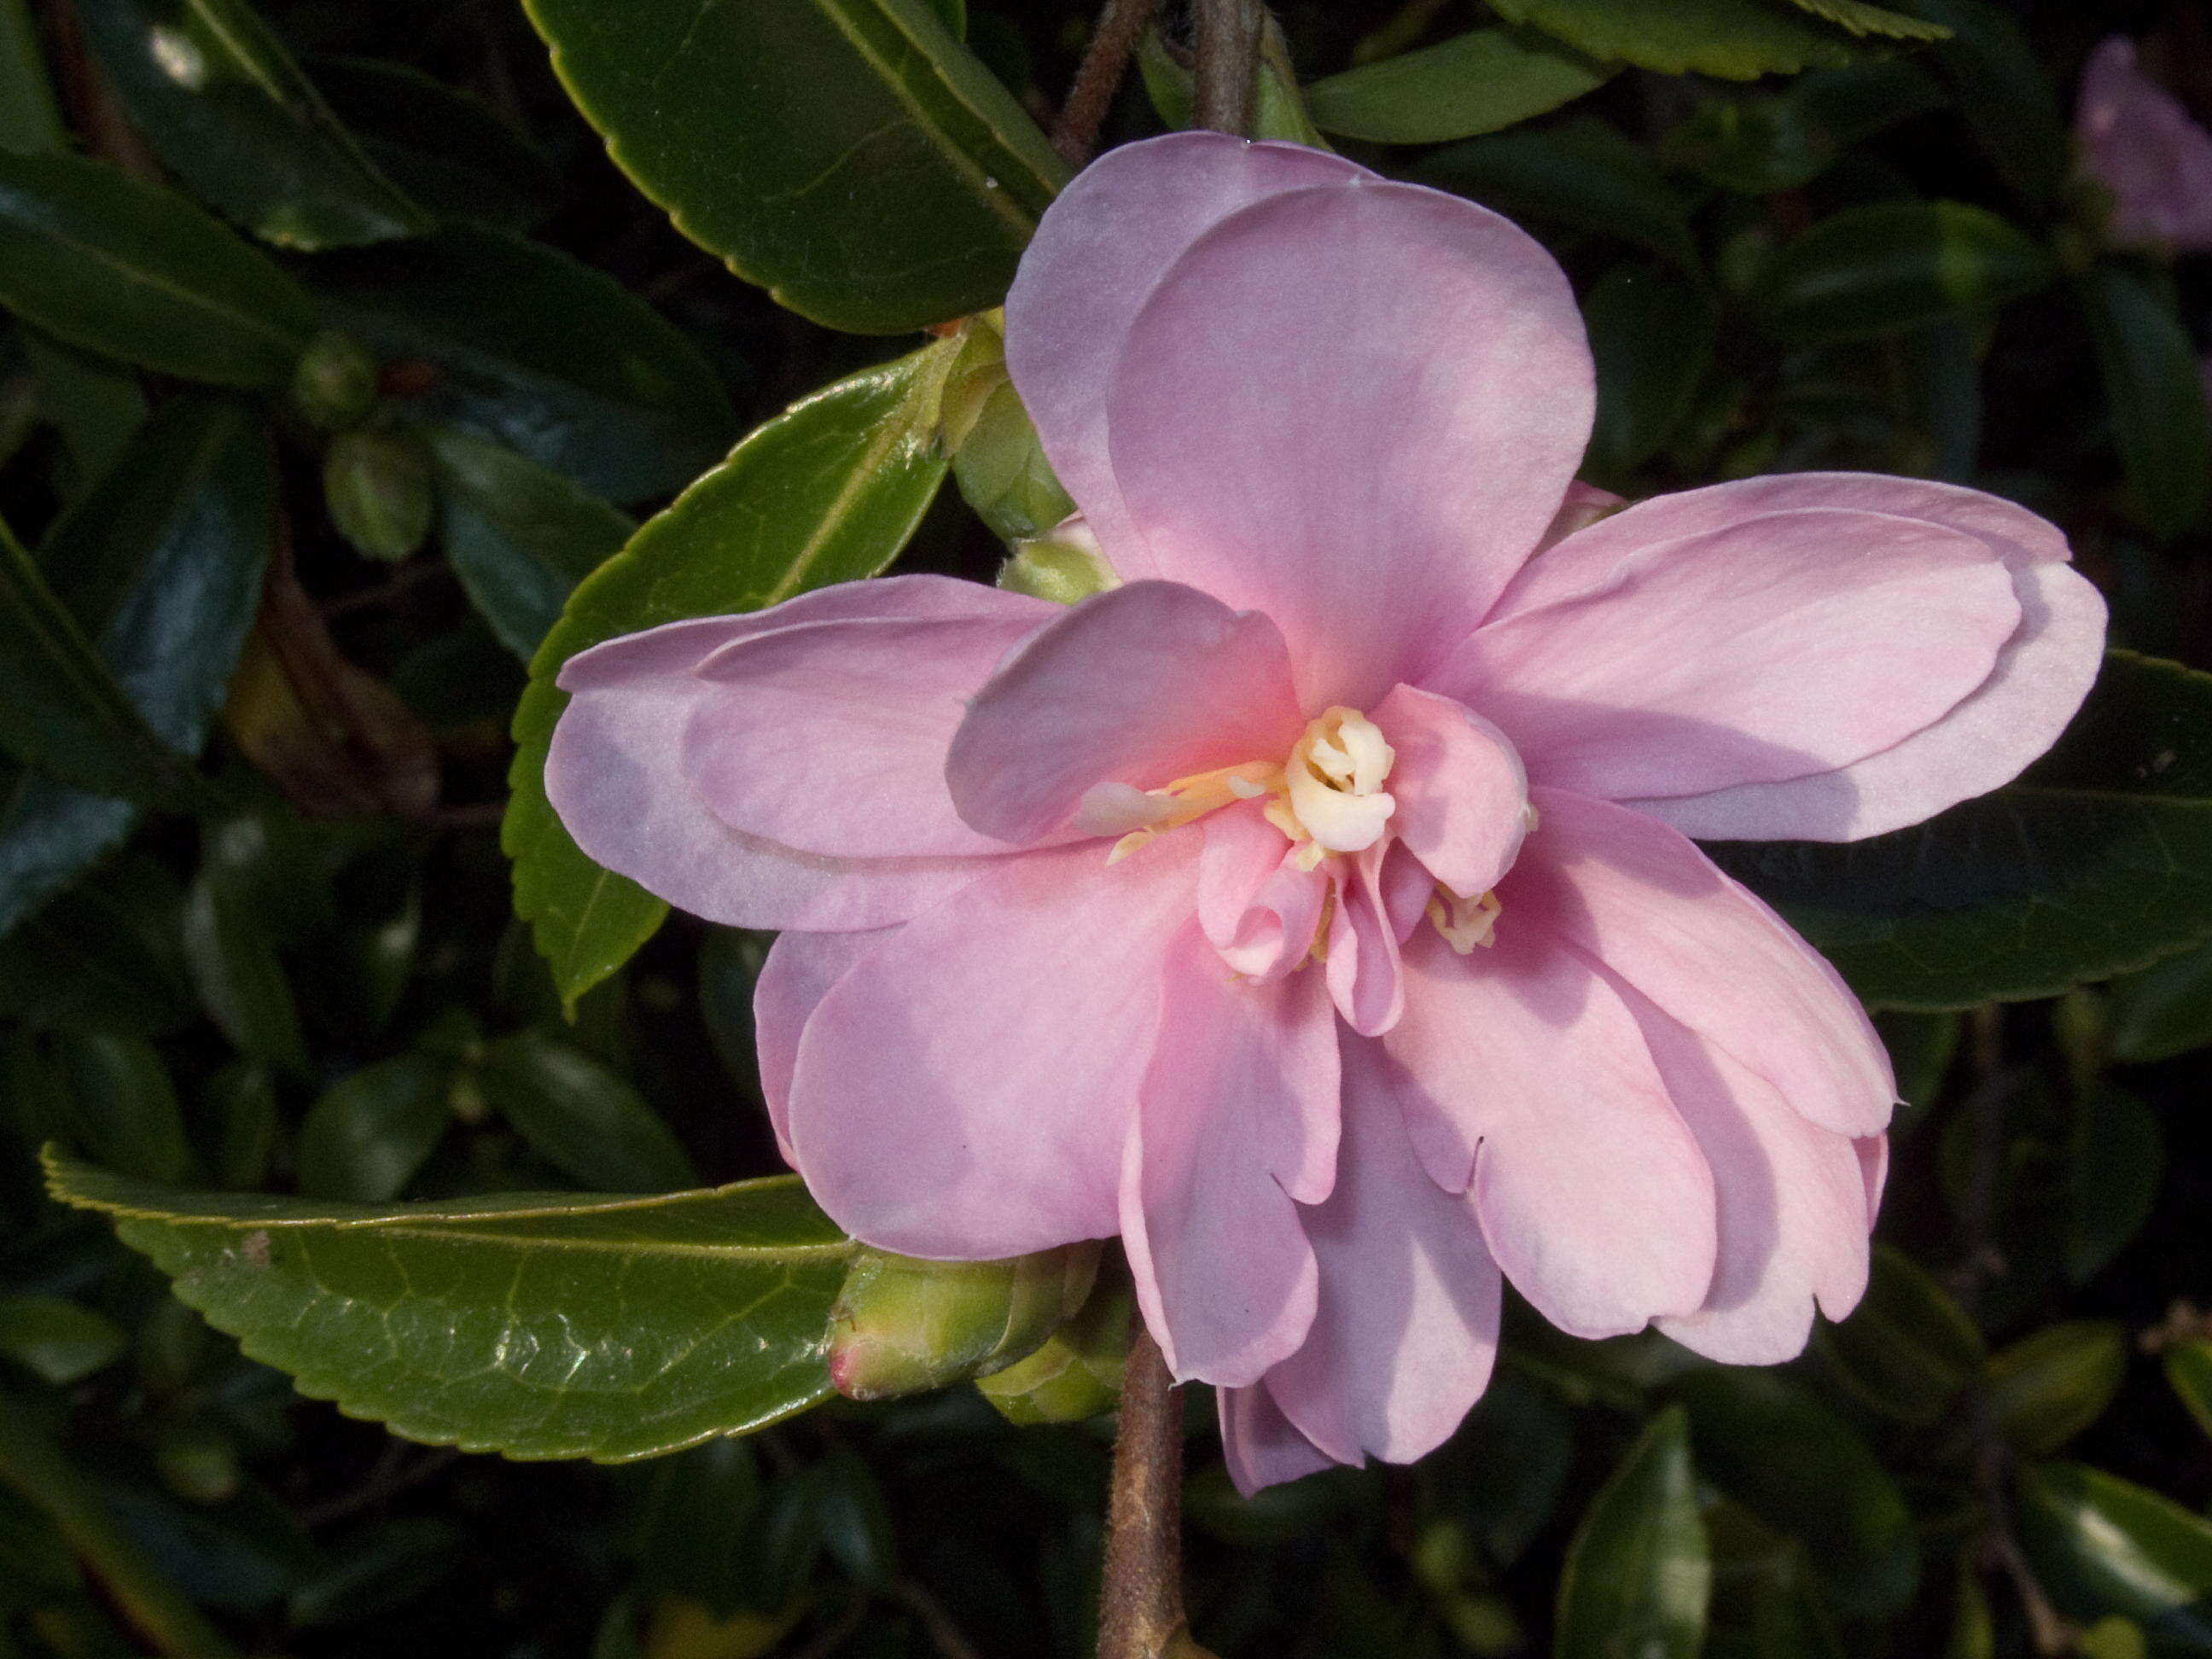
[396,1253]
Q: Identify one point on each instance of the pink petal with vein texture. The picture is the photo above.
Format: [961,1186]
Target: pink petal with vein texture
[799,971]
[1357,410]
[1463,796]
[1259,910]
[1260,1447]
[1098,252]
[1362,968]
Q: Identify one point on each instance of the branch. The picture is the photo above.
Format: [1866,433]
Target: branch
[1228,62]
[1141,1612]
[1104,61]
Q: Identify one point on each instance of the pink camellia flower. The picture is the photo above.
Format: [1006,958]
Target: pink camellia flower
[1316,909]
[2140,143]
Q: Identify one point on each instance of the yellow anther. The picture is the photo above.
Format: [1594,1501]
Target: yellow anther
[1465,923]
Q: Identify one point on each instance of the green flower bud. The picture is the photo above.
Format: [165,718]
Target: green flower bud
[1064,567]
[902,1325]
[377,486]
[996,456]
[334,384]
[1077,1374]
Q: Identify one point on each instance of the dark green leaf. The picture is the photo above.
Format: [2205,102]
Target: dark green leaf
[95,401]
[1651,333]
[2115,1163]
[51,834]
[231,953]
[28,118]
[1921,1048]
[1474,83]
[138,272]
[1804,1472]
[560,1327]
[1896,266]
[106,954]
[55,1340]
[2103,1543]
[519,537]
[446,150]
[1908,1348]
[1761,144]
[2095,863]
[1740,40]
[2007,95]
[1860,18]
[1585,175]
[2189,1369]
[386,1565]
[1638,1576]
[239,1104]
[2046,1388]
[2154,395]
[118,1105]
[1766,1603]
[228,111]
[827,492]
[2163,1011]
[545,355]
[371,1131]
[850,155]
[581,1116]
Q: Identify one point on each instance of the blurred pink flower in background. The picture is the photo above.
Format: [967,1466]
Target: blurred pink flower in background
[2141,145]
[1316,909]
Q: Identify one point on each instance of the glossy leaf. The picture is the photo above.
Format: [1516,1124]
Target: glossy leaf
[1896,266]
[827,492]
[229,113]
[1860,18]
[1739,39]
[449,152]
[1759,145]
[1805,1473]
[519,537]
[852,156]
[2154,398]
[1908,1348]
[1638,1576]
[1585,175]
[2115,1164]
[560,1325]
[2098,861]
[581,1115]
[370,1132]
[2189,1369]
[1472,84]
[520,343]
[1651,332]
[2163,1011]
[49,834]
[118,1103]
[2047,1388]
[136,272]
[241,980]
[2106,1544]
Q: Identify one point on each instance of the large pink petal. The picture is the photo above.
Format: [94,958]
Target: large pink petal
[832,736]
[1238,1110]
[1462,797]
[1793,1217]
[1406,1329]
[614,774]
[1259,1443]
[1140,686]
[2038,681]
[1638,897]
[1259,910]
[2140,141]
[1362,968]
[1097,253]
[799,971]
[1356,409]
[1771,648]
[964,1091]
[1525,1079]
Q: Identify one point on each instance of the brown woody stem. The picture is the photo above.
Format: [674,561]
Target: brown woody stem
[1141,1612]
[1229,33]
[1105,60]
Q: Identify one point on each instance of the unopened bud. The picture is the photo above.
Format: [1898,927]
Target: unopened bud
[334,384]
[377,486]
[902,1325]
[996,457]
[1064,567]
[1077,1374]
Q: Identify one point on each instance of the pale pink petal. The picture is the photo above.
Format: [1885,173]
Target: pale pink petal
[1771,648]
[1356,409]
[1140,686]
[2140,141]
[1260,911]
[1462,797]
[964,1089]
[799,971]
[1237,1109]
[832,737]
[1097,253]
[2038,681]
[1259,1444]
[1874,1164]
[614,776]
[1638,897]
[1792,1203]
[1362,967]
[1583,506]
[1524,1079]
[1406,1329]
